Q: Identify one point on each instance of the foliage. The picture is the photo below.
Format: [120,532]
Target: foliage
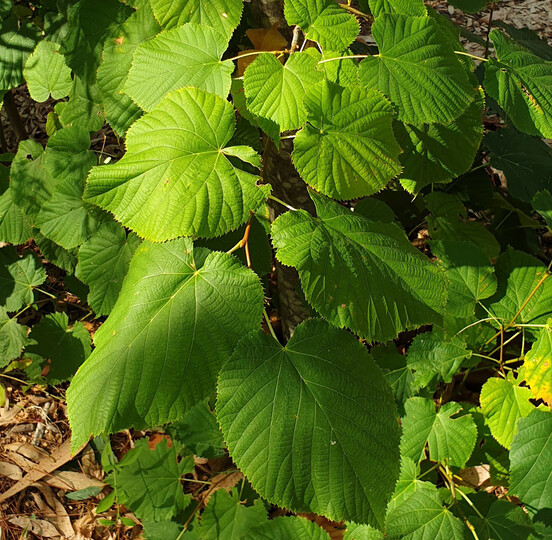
[428,350]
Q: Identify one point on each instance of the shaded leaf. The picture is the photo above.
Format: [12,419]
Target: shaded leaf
[282,528]
[13,337]
[537,366]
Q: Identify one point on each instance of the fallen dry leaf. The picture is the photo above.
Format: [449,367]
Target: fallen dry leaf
[72,481]
[263,39]
[40,527]
[13,472]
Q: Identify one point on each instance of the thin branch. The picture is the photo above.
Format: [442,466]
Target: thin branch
[295,38]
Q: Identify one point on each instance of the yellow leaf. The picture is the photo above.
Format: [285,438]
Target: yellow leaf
[538,365]
[263,39]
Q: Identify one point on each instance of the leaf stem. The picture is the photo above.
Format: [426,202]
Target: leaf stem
[256,53]
[267,319]
[464,53]
[344,57]
[46,293]
[288,206]
[357,12]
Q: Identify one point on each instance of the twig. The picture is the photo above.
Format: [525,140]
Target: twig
[355,11]
[489,30]
[295,38]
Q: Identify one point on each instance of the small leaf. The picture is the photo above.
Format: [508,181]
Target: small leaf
[275,92]
[347,150]
[280,413]
[396,286]
[185,56]
[147,481]
[531,461]
[435,358]
[224,15]
[542,203]
[120,110]
[18,277]
[103,263]
[503,404]
[162,190]
[64,348]
[15,227]
[46,73]
[537,365]
[521,83]
[417,70]
[323,21]
[449,438]
[179,315]
[13,337]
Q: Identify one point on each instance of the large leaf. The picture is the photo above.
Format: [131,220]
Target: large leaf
[422,516]
[538,366]
[161,189]
[91,23]
[531,461]
[12,338]
[18,42]
[66,219]
[521,82]
[18,277]
[524,290]
[275,92]
[450,438]
[417,70]
[180,314]
[103,263]
[323,21]
[503,404]
[284,528]
[31,184]
[347,150]
[185,56]
[395,286]
[470,275]
[434,358]
[64,349]
[525,161]
[300,433]
[64,258]
[148,483]
[527,38]
[404,7]
[46,73]
[437,153]
[224,15]
[84,108]
[15,227]
[225,517]
[120,110]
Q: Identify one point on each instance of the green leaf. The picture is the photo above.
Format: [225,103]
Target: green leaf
[449,438]
[403,7]
[13,337]
[537,365]
[347,150]
[179,315]
[527,38]
[323,21]
[162,190]
[103,263]
[438,153]
[162,530]
[148,483]
[284,528]
[120,110]
[66,219]
[498,520]
[526,161]
[300,433]
[224,15]
[343,71]
[531,461]
[423,516]
[84,108]
[64,258]
[362,532]
[199,432]
[46,73]
[64,348]
[417,70]
[519,275]
[503,404]
[449,223]
[185,56]
[542,203]
[225,517]
[434,358]
[395,371]
[15,227]
[31,185]
[470,275]
[408,483]
[91,23]
[18,42]
[521,83]
[396,287]
[18,277]
[275,92]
